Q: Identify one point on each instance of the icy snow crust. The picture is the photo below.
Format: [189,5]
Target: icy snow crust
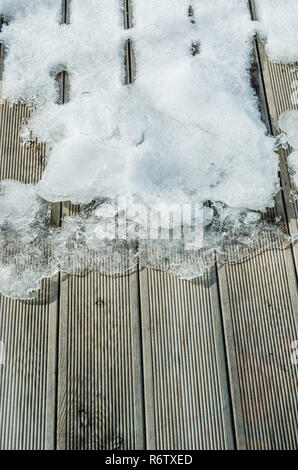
[187,131]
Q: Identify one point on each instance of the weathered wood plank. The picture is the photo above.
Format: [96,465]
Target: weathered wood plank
[28,328]
[100,404]
[1,63]
[27,379]
[100,397]
[259,304]
[187,400]
[24,163]
[279,84]
[100,392]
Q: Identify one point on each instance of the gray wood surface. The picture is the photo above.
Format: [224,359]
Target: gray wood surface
[187,399]
[259,306]
[145,359]
[279,84]
[27,328]
[100,386]
[100,404]
[27,379]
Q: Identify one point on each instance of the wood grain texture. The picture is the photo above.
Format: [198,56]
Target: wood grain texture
[145,359]
[27,379]
[100,392]
[187,400]
[28,329]
[280,85]
[259,305]
[100,401]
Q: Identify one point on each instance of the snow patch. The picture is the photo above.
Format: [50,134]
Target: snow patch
[189,126]
[278,26]
[187,131]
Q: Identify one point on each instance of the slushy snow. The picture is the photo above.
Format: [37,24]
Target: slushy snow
[187,131]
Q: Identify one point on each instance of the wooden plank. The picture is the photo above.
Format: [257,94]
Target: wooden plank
[100,398]
[187,400]
[28,328]
[27,379]
[100,402]
[100,391]
[259,305]
[1,62]
[277,79]
[279,82]
[21,162]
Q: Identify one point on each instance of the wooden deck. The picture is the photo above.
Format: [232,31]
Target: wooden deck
[145,360]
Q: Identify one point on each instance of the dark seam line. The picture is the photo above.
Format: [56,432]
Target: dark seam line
[229,379]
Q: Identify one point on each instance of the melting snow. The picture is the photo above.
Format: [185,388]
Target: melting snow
[187,131]
[188,128]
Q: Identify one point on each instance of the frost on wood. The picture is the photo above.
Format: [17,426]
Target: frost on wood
[187,131]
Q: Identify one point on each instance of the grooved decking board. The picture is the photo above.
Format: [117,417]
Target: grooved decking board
[27,379]
[1,64]
[280,81]
[259,304]
[175,390]
[187,403]
[100,400]
[28,328]
[21,162]
[259,307]
[24,163]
